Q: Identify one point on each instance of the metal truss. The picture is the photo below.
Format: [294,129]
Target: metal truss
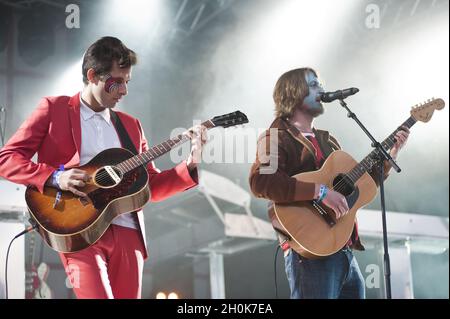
[394,15]
[193,15]
[30,4]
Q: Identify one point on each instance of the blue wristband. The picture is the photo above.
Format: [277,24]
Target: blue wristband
[322,192]
[56,175]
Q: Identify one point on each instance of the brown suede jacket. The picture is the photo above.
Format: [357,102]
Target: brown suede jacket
[295,154]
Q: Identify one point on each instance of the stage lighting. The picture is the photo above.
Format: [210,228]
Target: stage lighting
[137,14]
[70,81]
[161,295]
[172,295]
[36,39]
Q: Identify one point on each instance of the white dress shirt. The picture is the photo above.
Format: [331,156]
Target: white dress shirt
[98,134]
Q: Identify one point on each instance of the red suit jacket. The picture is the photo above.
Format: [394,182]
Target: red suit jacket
[53,131]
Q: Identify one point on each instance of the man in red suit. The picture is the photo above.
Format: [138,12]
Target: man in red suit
[70,131]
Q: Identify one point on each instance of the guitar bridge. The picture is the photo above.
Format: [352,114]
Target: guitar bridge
[324,214]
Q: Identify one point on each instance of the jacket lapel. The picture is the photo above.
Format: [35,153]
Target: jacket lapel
[74,116]
[321,136]
[301,139]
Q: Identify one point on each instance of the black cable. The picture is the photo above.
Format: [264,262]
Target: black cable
[3,126]
[275,270]
[6,268]
[28,229]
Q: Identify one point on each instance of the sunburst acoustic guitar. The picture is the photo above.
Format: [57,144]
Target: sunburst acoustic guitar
[118,184]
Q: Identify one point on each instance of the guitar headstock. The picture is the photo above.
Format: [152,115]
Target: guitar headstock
[424,111]
[230,119]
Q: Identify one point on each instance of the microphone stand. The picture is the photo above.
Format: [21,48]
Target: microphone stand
[382,156]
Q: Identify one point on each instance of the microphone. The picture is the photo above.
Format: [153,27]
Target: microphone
[337,95]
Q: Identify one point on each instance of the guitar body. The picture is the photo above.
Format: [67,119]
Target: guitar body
[76,223]
[118,184]
[312,235]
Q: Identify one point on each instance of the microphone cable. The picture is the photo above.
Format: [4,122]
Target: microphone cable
[27,230]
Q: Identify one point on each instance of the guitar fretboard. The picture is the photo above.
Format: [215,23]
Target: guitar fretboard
[156,151]
[370,160]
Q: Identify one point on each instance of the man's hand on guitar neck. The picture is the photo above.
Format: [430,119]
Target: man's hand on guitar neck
[69,180]
[198,135]
[401,137]
[336,201]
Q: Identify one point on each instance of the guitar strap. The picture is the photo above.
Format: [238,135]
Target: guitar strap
[124,139]
[122,132]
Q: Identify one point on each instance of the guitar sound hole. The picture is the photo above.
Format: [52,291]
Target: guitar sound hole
[342,184]
[103,178]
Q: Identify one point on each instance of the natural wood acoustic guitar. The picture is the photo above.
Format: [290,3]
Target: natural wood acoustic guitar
[311,227]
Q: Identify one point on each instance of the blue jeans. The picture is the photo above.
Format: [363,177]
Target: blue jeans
[334,277]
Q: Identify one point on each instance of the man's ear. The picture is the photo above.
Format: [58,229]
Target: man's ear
[91,76]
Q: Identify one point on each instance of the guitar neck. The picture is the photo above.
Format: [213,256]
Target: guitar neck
[156,151]
[367,164]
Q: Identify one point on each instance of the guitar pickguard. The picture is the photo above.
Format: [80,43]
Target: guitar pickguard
[343,184]
[352,198]
[102,196]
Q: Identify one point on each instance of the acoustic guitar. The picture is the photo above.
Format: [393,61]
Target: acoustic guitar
[311,227]
[118,184]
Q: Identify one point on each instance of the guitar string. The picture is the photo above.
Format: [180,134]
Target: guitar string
[340,186]
[104,176]
[390,138]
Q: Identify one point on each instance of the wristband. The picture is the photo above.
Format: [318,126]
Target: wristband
[322,193]
[56,175]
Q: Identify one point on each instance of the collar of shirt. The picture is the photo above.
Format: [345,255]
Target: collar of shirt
[306,134]
[87,113]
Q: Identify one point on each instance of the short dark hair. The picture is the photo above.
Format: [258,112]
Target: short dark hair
[101,55]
